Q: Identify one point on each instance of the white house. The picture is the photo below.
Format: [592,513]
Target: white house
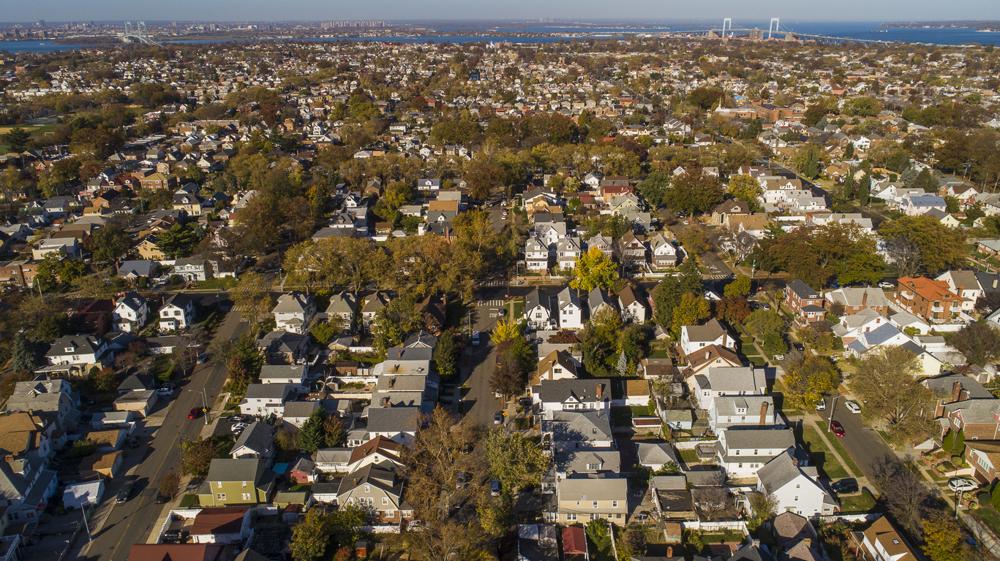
[283,374]
[694,337]
[177,313]
[131,313]
[293,312]
[567,252]
[966,285]
[794,488]
[262,400]
[572,395]
[743,451]
[570,311]
[77,352]
[733,410]
[726,380]
[536,254]
[538,312]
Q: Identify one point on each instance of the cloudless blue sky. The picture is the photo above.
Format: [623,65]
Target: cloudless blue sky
[258,10]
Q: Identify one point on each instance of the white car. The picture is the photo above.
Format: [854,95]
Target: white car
[852,406]
[886,285]
[962,484]
[821,406]
[238,427]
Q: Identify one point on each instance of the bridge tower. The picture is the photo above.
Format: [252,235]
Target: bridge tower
[773,26]
[727,27]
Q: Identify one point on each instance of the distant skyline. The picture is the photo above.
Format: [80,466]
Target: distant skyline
[322,10]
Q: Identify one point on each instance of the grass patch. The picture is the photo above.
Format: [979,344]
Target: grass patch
[722,536]
[689,456]
[851,465]
[863,502]
[642,410]
[516,308]
[189,501]
[821,456]
[989,516]
[599,541]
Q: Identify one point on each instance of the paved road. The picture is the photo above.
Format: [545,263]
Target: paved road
[131,522]
[479,401]
[865,447]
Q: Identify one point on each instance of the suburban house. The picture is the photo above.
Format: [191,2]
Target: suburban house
[177,313]
[538,312]
[53,398]
[805,302]
[631,305]
[591,394]
[192,269]
[583,500]
[598,300]
[930,300]
[293,312]
[976,418]
[236,482]
[27,483]
[882,542]
[743,451]
[570,311]
[726,381]
[794,488]
[262,400]
[732,410]
[131,313]
[665,254]
[377,489]
[714,356]
[966,285]
[697,337]
[984,457]
[578,430]
[283,374]
[557,365]
[76,354]
[536,254]
[256,441]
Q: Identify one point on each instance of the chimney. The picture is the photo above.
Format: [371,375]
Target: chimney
[763,413]
[670,551]
[386,402]
[864,297]
[599,391]
[956,391]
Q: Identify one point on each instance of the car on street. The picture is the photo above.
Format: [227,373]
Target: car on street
[852,406]
[125,493]
[837,429]
[166,390]
[494,488]
[885,284]
[846,486]
[821,406]
[962,484]
[194,413]
[498,418]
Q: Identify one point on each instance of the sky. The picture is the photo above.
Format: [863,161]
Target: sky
[285,10]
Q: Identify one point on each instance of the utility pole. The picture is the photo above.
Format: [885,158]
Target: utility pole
[204,404]
[86,525]
[833,408]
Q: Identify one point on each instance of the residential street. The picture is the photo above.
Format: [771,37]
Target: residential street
[864,446]
[131,522]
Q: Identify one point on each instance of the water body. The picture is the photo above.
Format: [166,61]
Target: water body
[582,32]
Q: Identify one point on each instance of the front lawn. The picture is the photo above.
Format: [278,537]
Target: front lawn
[863,502]
[689,456]
[989,516]
[821,456]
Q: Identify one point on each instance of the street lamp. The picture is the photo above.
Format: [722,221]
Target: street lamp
[833,408]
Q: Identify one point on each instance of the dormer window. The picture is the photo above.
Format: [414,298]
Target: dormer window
[70,349]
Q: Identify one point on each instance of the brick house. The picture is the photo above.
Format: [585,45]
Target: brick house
[930,300]
[805,302]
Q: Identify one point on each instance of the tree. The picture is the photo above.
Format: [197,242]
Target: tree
[745,188]
[16,139]
[806,380]
[733,311]
[594,269]
[505,330]
[321,531]
[196,456]
[818,255]
[495,514]
[691,310]
[312,437]
[886,382]
[394,322]
[178,241]
[979,342]
[108,244]
[763,507]
[654,188]
[904,492]
[445,475]
[599,342]
[334,433]
[666,295]
[694,194]
[22,358]
[808,160]
[514,362]
[925,180]
[740,286]
[940,247]
[347,263]
[943,540]
[514,460]
[446,355]
[252,297]
[767,327]
[169,485]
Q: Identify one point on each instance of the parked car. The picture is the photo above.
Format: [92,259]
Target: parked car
[494,488]
[125,493]
[852,406]
[885,284]
[498,418]
[166,390]
[846,486]
[962,484]
[837,429]
[194,413]
[821,406]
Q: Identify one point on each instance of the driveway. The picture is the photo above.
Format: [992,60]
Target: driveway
[130,523]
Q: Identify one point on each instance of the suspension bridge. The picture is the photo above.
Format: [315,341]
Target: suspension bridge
[774,32]
[137,33]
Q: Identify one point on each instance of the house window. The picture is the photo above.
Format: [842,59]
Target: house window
[247,496]
[614,504]
[595,504]
[570,517]
[221,496]
[385,501]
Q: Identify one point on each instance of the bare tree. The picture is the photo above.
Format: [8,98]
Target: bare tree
[904,493]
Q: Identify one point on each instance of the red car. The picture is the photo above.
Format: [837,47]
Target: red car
[194,413]
[837,428]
